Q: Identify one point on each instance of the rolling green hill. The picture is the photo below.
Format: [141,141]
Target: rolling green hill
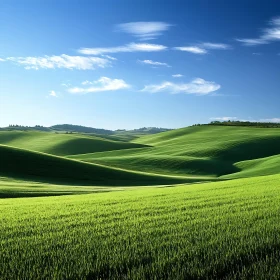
[192,154]
[174,229]
[120,134]
[201,151]
[257,167]
[40,167]
[61,144]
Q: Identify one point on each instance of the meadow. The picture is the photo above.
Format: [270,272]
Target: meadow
[193,203]
[225,230]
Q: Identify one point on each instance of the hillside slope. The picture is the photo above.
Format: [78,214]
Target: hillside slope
[256,167]
[206,150]
[61,144]
[40,167]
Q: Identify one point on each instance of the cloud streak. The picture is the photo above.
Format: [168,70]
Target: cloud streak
[62,61]
[268,35]
[53,93]
[144,30]
[102,84]
[223,119]
[215,46]
[154,63]
[203,48]
[191,49]
[273,120]
[177,75]
[132,47]
[197,86]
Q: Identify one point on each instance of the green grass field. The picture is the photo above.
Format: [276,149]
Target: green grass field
[225,230]
[193,203]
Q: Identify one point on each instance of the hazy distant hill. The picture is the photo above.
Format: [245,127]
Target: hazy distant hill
[247,123]
[84,129]
[80,129]
[25,128]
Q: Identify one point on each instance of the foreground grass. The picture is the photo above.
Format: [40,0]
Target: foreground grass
[225,230]
[11,188]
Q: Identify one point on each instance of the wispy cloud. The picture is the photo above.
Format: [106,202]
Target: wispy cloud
[256,53]
[102,84]
[215,46]
[144,30]
[273,120]
[154,63]
[66,84]
[132,47]
[192,49]
[203,48]
[252,42]
[109,57]
[61,61]
[223,118]
[53,93]
[270,34]
[275,21]
[84,83]
[177,75]
[2,59]
[197,86]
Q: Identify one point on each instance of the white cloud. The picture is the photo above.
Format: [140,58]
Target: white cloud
[275,21]
[132,47]
[256,53]
[66,84]
[203,48]
[53,93]
[2,59]
[144,30]
[273,120]
[215,46]
[103,84]
[197,86]
[86,83]
[223,118]
[109,57]
[62,61]
[154,63]
[177,75]
[252,42]
[268,35]
[192,49]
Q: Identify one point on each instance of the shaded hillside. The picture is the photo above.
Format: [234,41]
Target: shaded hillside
[262,166]
[197,151]
[120,134]
[80,129]
[23,164]
[61,144]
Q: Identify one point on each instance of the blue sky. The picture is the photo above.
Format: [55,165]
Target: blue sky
[128,64]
